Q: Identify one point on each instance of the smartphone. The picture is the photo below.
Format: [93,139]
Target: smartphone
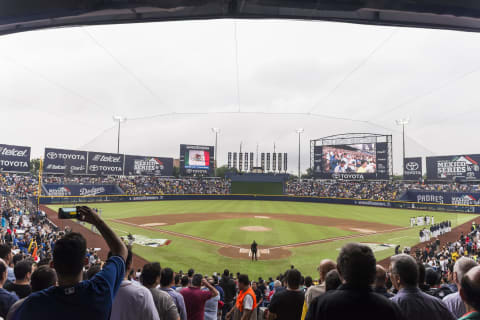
[67,213]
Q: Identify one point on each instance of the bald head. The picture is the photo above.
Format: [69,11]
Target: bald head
[325,266]
[470,289]
[380,276]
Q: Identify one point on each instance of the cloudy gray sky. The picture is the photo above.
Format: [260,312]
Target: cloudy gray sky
[174,81]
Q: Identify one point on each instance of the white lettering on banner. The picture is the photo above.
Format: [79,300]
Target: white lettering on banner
[4,151]
[60,192]
[91,191]
[9,163]
[348,176]
[103,158]
[95,168]
[430,198]
[65,156]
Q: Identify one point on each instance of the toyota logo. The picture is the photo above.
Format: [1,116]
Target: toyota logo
[412,166]
[93,167]
[52,155]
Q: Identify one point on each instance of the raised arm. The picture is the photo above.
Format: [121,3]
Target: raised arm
[116,246]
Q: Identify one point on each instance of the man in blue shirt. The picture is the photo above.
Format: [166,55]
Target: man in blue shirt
[73,298]
[414,303]
[7,299]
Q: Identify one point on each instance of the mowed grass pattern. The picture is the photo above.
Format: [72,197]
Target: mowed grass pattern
[282,232]
[183,253]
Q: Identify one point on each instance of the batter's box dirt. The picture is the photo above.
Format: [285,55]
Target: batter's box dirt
[263,253]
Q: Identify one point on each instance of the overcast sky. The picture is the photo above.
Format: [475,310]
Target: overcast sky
[60,87]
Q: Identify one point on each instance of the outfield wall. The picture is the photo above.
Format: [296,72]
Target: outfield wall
[169,197]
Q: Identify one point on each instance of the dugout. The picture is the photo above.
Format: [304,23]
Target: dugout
[258,183]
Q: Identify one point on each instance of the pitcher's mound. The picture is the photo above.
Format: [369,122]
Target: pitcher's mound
[255,228]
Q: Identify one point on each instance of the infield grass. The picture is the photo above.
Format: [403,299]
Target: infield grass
[183,253]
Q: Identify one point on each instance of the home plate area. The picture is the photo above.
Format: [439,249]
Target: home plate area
[260,252]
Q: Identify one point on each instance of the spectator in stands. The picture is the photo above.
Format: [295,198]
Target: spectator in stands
[7,299]
[167,310]
[73,299]
[166,282]
[288,303]
[325,266]
[195,298]
[354,299]
[6,255]
[380,280]
[21,285]
[230,290]
[133,299]
[42,278]
[211,306]
[414,303]
[246,303]
[470,293]
[332,280]
[433,279]
[453,301]
[183,284]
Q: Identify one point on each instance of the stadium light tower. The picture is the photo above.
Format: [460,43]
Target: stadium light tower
[118,119]
[216,131]
[299,131]
[403,123]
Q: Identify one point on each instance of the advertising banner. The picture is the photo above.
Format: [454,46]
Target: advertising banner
[61,160]
[285,162]
[148,166]
[14,158]
[412,169]
[251,160]
[274,162]
[229,163]
[262,160]
[268,161]
[382,169]
[240,161]
[458,198]
[65,190]
[235,160]
[280,162]
[196,160]
[451,167]
[246,161]
[100,163]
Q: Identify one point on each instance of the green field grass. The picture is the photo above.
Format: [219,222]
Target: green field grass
[183,253]
[282,232]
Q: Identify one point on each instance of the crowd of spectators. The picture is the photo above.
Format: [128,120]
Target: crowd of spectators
[47,273]
[374,190]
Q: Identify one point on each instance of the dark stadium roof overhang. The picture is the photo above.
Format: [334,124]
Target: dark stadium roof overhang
[24,15]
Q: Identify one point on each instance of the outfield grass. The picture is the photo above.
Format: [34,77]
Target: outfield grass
[183,253]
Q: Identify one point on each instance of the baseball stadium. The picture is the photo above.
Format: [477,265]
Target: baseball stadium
[246,160]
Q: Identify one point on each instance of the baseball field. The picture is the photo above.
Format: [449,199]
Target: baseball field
[211,235]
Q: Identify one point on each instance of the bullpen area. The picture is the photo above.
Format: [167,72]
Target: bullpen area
[210,235]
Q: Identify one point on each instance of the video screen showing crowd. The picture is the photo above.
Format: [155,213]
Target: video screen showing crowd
[435,230]
[355,158]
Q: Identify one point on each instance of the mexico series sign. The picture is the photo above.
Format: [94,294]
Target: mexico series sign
[451,167]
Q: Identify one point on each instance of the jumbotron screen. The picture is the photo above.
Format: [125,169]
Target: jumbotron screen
[355,158]
[351,161]
[196,160]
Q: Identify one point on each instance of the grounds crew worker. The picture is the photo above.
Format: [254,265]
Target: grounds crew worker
[246,303]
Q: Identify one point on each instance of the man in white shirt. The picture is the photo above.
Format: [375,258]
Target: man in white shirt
[133,300]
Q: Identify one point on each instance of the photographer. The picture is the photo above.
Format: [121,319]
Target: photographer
[74,298]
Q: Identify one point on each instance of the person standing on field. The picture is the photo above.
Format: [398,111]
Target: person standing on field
[253,249]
